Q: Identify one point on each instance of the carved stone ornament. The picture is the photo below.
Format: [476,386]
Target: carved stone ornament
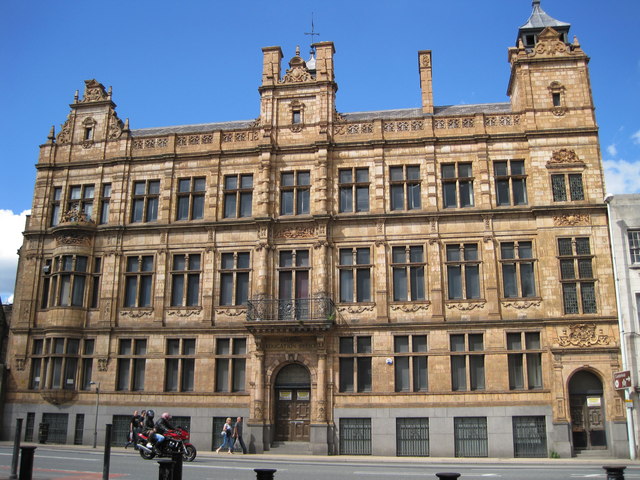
[114,127]
[103,364]
[549,44]
[425,60]
[136,313]
[20,363]
[184,313]
[410,308]
[94,92]
[74,239]
[298,72]
[465,306]
[563,157]
[582,335]
[521,304]
[355,309]
[75,215]
[296,232]
[571,220]
[65,132]
[559,111]
[263,245]
[258,411]
[58,396]
[296,128]
[231,312]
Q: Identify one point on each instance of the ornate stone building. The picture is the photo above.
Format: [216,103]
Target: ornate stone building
[354,283]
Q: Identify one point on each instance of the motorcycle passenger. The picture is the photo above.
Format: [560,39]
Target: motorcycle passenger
[148,427]
[161,428]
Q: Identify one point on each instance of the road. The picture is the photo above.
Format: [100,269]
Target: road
[65,463]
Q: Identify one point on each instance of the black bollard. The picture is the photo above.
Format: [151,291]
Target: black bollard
[165,469]
[615,472]
[177,466]
[107,452]
[264,473]
[16,450]
[26,462]
[447,475]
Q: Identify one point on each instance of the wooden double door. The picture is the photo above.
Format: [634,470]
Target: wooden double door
[293,414]
[587,422]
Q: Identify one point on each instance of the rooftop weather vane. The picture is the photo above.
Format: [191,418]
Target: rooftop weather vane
[312,33]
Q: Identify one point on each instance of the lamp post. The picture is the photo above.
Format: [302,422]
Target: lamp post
[95,425]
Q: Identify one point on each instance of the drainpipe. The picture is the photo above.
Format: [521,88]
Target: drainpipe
[623,340]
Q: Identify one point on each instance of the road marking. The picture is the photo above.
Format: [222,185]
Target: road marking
[216,467]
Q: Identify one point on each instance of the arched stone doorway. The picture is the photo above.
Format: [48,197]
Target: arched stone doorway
[292,390]
[587,412]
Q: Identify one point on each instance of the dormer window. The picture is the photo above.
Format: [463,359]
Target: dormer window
[556,99]
[88,133]
[530,41]
[88,126]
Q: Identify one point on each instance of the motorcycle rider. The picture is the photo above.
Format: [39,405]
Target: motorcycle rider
[161,428]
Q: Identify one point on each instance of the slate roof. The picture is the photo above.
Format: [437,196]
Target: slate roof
[540,19]
[447,110]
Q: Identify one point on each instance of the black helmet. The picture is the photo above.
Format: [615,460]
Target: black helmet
[150,413]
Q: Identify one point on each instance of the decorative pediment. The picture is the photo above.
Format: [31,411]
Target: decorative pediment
[583,335]
[94,91]
[297,71]
[564,158]
[549,44]
[571,220]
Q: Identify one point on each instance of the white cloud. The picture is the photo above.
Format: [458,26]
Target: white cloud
[12,226]
[622,176]
[612,150]
[636,137]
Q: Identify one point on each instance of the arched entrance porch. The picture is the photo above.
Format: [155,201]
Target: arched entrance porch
[292,395]
[587,412]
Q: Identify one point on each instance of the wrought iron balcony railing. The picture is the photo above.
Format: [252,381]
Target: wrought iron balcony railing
[300,310]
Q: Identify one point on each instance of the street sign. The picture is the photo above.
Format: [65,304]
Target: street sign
[622,380]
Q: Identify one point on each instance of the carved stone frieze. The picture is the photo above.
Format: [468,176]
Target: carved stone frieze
[409,308]
[356,309]
[184,313]
[296,232]
[583,335]
[136,313]
[465,306]
[521,304]
[571,219]
[231,312]
[73,238]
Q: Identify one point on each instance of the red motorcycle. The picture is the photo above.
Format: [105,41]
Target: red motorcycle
[175,441]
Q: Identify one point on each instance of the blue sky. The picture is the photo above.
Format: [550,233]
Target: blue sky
[199,61]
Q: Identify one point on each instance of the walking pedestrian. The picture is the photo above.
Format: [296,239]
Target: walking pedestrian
[227,439]
[237,435]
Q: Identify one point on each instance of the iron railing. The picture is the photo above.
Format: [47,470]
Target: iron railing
[355,436]
[412,437]
[529,437]
[316,310]
[470,435]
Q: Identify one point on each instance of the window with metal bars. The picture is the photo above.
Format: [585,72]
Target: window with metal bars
[559,184]
[576,275]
